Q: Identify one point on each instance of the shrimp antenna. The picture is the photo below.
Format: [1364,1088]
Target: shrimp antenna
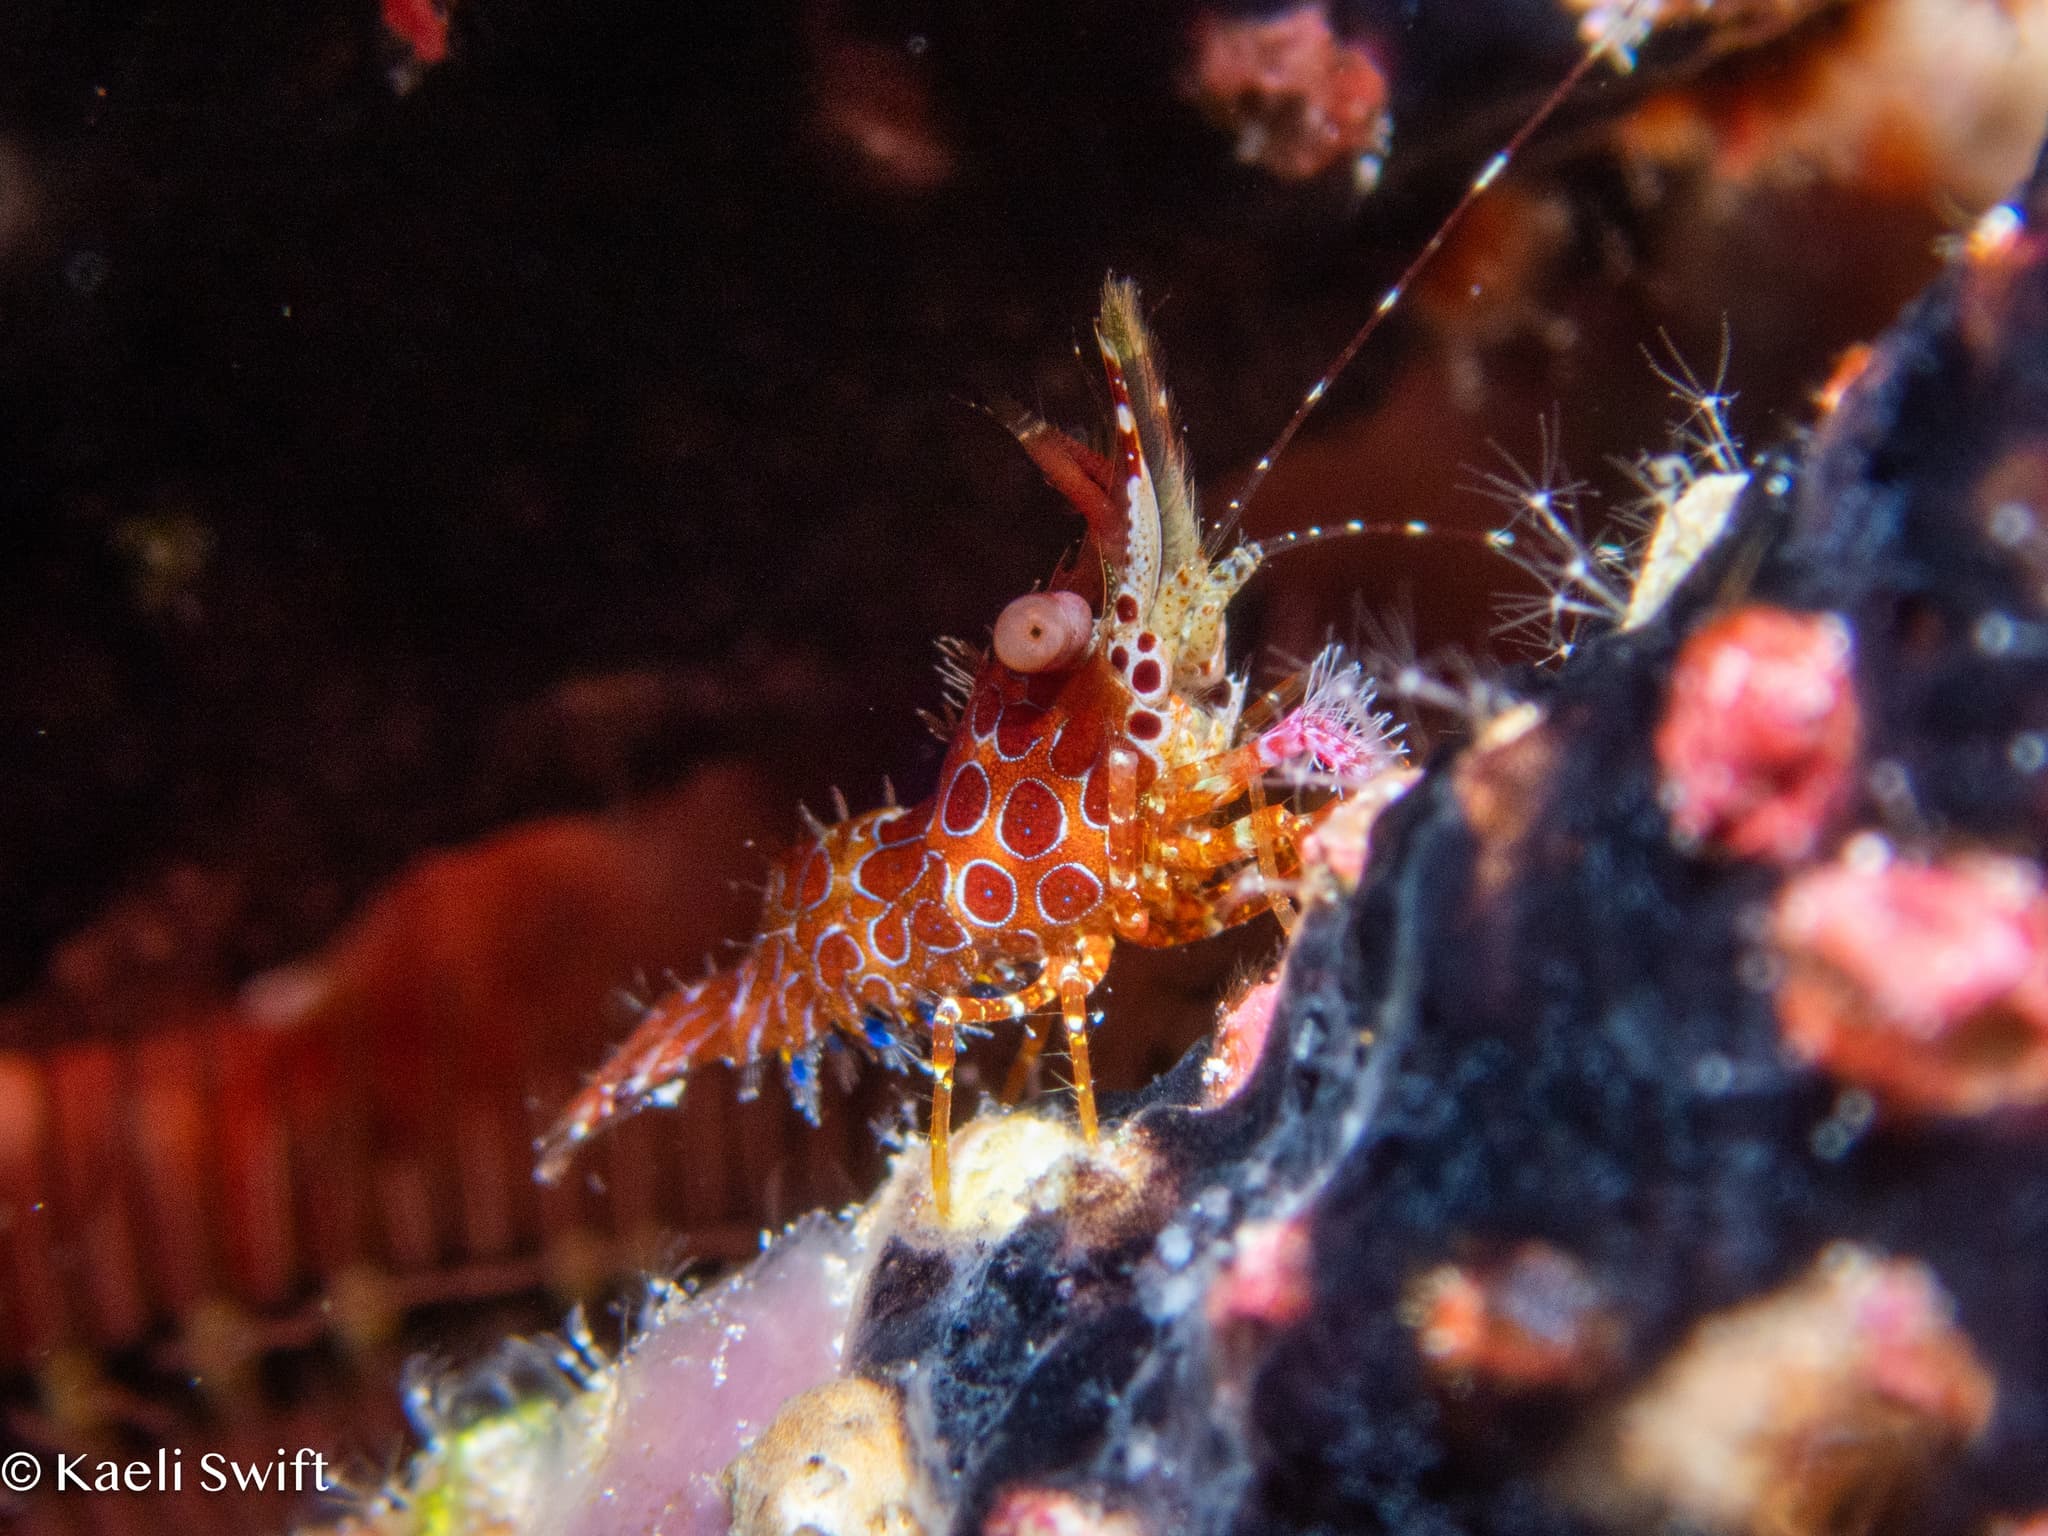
[1625,28]
[1263,550]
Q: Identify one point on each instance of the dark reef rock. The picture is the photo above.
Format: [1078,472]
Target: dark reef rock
[1530,1104]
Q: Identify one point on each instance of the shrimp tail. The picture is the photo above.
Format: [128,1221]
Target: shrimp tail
[685,1025]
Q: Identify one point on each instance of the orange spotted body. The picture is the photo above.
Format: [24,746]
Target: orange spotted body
[1103,782]
[886,910]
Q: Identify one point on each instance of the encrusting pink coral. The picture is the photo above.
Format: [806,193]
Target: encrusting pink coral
[1925,983]
[1759,737]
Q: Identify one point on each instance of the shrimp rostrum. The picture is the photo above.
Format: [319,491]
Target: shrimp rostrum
[1104,782]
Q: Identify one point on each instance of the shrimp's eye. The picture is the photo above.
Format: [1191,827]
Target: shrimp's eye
[1044,632]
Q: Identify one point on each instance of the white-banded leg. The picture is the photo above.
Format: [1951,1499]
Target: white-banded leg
[945,1047]
[1079,976]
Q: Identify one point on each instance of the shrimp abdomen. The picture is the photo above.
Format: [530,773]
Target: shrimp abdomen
[686,1025]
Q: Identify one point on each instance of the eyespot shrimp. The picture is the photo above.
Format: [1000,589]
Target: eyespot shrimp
[1087,797]
[1103,783]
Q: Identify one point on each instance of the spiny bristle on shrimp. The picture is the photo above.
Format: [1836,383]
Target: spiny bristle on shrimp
[1103,783]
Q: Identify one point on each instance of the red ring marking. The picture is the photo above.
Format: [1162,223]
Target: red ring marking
[814,880]
[887,873]
[966,801]
[985,710]
[1095,796]
[1078,745]
[1022,724]
[1067,893]
[889,937]
[933,927]
[1033,820]
[837,957]
[905,826]
[987,893]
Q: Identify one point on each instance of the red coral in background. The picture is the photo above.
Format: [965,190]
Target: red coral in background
[1532,1318]
[1760,731]
[1925,983]
[422,25]
[872,101]
[1299,99]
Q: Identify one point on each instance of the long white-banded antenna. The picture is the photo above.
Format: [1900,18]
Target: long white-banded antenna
[1414,528]
[1625,29]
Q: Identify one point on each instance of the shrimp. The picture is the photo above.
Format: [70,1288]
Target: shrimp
[1103,784]
[1104,780]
